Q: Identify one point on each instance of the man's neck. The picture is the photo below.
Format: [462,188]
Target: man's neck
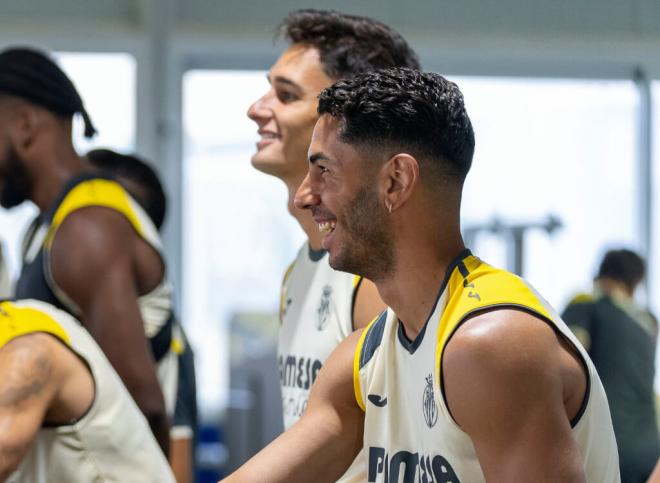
[413,288]
[614,288]
[304,217]
[50,181]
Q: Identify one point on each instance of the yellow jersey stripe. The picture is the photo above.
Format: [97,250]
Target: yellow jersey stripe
[356,281]
[356,364]
[480,288]
[17,321]
[94,192]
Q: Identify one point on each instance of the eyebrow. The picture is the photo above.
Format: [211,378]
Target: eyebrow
[284,80]
[313,158]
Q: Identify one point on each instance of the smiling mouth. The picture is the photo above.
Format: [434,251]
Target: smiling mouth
[266,138]
[327,227]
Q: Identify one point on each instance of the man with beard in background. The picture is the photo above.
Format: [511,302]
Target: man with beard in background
[96,254]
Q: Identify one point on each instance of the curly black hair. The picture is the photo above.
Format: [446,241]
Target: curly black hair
[348,44]
[400,108]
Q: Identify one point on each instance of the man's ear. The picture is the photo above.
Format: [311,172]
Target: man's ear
[26,121]
[401,175]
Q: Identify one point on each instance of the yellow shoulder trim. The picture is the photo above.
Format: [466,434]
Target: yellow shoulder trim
[581,298]
[17,321]
[481,288]
[94,192]
[356,280]
[356,364]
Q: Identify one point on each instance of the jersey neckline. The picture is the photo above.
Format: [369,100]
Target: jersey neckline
[315,255]
[411,346]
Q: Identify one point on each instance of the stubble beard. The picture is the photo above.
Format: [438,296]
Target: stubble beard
[367,249]
[17,183]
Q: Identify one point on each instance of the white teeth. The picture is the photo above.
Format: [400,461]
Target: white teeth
[327,226]
[268,135]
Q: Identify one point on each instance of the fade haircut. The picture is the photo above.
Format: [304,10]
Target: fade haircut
[404,110]
[623,265]
[153,201]
[348,44]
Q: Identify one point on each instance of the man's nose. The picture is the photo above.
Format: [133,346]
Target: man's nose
[260,108]
[305,196]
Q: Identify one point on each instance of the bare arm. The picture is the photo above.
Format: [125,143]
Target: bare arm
[181,459]
[513,388]
[655,476]
[368,304]
[92,261]
[324,442]
[28,382]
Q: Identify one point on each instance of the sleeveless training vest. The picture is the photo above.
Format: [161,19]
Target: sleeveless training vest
[316,312]
[409,433]
[36,279]
[112,441]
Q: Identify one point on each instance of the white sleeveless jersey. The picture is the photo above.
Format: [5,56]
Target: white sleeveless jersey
[112,441]
[155,306]
[316,312]
[409,434]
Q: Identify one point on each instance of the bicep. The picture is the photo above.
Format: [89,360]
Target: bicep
[326,439]
[507,394]
[28,379]
[91,260]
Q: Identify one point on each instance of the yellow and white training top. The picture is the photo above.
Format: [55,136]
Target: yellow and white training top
[316,312]
[37,282]
[112,441]
[409,433]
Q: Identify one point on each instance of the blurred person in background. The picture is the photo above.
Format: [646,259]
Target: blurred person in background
[143,184]
[620,336]
[95,253]
[319,306]
[65,415]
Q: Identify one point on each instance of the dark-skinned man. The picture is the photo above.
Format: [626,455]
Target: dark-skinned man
[96,254]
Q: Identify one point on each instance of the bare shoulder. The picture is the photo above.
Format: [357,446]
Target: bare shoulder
[499,360]
[94,229]
[29,378]
[28,369]
[90,241]
[501,340]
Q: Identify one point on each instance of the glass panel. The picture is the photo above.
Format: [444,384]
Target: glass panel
[565,148]
[238,235]
[654,264]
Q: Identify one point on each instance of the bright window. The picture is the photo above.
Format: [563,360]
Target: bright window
[238,236]
[654,265]
[565,148]
[106,83]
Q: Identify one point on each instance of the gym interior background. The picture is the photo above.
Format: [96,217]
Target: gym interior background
[562,95]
